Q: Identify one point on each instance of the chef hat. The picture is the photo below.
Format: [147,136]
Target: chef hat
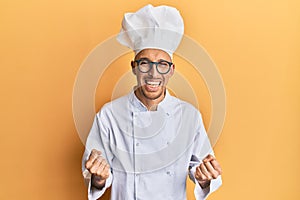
[152,27]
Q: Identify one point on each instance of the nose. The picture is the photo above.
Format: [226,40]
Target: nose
[153,71]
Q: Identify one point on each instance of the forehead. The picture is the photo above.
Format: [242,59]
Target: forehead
[153,55]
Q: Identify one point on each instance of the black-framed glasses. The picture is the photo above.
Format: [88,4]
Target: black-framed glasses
[145,65]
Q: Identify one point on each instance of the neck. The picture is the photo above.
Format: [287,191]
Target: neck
[151,104]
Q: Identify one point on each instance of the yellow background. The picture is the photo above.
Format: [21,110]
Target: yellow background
[255,44]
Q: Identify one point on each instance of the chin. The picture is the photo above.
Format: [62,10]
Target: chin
[153,95]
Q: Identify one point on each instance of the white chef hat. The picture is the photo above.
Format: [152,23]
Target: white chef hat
[152,27]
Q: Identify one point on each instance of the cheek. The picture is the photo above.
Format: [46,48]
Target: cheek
[166,78]
[139,78]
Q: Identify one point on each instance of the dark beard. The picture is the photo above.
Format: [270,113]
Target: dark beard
[153,98]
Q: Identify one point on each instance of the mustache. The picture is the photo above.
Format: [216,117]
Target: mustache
[153,78]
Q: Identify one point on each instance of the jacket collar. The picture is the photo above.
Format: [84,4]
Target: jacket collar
[138,106]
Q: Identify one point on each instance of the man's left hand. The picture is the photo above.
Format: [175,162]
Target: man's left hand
[209,169]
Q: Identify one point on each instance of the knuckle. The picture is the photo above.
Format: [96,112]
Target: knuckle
[93,170]
[102,160]
[215,175]
[106,175]
[200,171]
[95,152]
[220,171]
[202,177]
[99,173]
[98,159]
[87,164]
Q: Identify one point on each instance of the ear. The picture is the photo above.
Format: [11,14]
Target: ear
[133,67]
[172,70]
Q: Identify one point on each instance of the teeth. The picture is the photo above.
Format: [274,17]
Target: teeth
[154,83]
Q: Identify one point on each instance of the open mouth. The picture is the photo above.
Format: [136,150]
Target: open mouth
[152,83]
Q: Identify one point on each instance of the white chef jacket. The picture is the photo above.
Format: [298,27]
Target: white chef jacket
[150,152]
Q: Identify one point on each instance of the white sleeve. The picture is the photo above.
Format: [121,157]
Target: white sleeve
[201,149]
[98,139]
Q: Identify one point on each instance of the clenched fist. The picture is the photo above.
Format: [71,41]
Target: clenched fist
[209,169]
[98,167]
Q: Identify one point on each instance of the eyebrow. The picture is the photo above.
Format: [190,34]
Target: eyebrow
[145,58]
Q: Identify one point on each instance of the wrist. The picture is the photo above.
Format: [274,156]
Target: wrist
[204,184]
[98,182]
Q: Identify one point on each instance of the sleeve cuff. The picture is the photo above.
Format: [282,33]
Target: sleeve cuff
[93,193]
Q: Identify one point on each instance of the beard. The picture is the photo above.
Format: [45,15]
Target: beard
[152,95]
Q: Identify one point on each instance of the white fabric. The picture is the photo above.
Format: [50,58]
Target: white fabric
[149,152]
[152,27]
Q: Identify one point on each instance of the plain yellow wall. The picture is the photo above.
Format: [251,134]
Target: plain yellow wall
[255,44]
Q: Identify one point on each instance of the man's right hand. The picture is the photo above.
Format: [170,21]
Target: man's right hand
[98,167]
